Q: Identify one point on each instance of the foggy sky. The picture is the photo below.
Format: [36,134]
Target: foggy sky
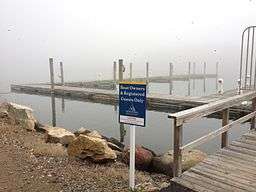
[89,35]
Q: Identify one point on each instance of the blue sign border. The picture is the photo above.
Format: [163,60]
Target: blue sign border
[133,101]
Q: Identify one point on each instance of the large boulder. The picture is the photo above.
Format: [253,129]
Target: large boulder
[91,147]
[164,163]
[59,135]
[112,142]
[20,114]
[143,157]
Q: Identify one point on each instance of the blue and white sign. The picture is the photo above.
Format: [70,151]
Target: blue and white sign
[132,103]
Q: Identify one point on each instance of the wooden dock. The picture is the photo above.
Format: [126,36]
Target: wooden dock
[158,102]
[232,169]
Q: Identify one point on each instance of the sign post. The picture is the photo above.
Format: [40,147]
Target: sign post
[132,111]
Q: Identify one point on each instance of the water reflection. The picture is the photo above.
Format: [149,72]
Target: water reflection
[53,110]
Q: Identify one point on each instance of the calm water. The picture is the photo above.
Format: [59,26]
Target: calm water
[158,133]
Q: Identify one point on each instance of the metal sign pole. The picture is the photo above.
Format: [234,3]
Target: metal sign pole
[132,158]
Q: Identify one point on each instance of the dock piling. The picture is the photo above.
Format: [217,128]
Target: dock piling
[189,78]
[51,74]
[114,74]
[130,71]
[170,78]
[61,74]
[217,75]
[194,72]
[147,76]
[204,77]
[120,70]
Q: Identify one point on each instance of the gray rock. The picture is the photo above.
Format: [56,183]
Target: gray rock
[164,163]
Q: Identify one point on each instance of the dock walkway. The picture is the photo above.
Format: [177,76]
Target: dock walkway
[158,102]
[231,169]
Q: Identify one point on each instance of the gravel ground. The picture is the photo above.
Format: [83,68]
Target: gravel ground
[29,164]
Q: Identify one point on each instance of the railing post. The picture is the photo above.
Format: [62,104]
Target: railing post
[177,153]
[253,109]
[225,121]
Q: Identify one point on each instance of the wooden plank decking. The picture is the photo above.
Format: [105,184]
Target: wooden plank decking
[159,102]
[231,169]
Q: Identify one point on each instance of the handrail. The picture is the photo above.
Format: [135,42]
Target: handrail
[221,105]
[207,109]
[217,132]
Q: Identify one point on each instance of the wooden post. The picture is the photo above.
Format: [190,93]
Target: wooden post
[120,70]
[194,73]
[189,73]
[130,71]
[253,109]
[217,75]
[51,74]
[170,78]
[177,153]
[147,75]
[204,77]
[114,74]
[61,74]
[147,72]
[225,121]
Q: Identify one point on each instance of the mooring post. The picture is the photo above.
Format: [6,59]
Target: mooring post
[120,78]
[177,153]
[147,75]
[189,77]
[114,74]
[170,78]
[51,74]
[253,109]
[217,75]
[225,121]
[120,70]
[204,77]
[147,72]
[130,71]
[194,74]
[61,74]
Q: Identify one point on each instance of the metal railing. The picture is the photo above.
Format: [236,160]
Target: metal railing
[247,76]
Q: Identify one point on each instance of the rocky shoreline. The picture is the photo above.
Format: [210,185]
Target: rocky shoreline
[89,148]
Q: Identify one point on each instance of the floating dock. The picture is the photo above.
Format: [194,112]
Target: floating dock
[158,102]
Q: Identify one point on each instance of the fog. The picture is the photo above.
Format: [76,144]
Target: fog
[89,35]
